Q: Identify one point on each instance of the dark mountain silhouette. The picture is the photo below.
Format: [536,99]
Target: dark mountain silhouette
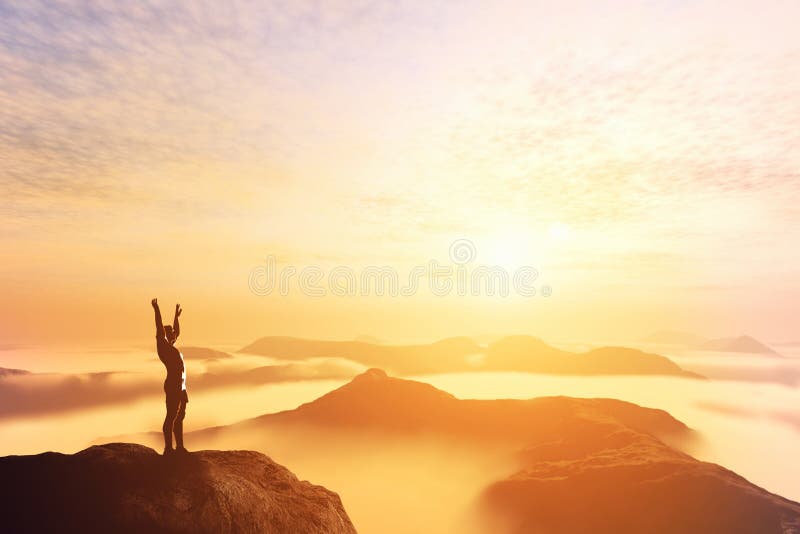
[585,465]
[515,353]
[122,487]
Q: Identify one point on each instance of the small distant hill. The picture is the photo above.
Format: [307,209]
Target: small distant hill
[737,344]
[513,353]
[743,343]
[128,488]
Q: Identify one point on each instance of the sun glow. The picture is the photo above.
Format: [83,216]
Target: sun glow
[558,231]
[508,249]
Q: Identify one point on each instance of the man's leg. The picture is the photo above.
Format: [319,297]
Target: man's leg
[179,421]
[169,421]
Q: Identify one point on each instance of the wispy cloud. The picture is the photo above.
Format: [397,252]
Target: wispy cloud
[371,131]
[24,394]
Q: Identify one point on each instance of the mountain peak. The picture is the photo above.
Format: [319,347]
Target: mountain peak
[372,374]
[376,398]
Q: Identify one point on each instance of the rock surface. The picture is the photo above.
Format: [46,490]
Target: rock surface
[123,487]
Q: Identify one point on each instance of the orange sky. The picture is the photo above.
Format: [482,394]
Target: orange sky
[641,157]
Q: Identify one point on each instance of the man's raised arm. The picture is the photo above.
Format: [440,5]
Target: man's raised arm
[159,324]
[176,326]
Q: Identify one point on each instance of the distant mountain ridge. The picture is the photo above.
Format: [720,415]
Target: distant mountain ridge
[740,344]
[513,353]
[376,400]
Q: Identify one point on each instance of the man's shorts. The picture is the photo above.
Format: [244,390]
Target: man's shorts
[176,396]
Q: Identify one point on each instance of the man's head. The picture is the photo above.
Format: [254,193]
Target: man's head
[169,333]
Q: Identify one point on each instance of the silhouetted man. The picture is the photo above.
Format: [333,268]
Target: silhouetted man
[175,384]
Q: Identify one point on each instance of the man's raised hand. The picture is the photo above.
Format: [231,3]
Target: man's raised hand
[154,302]
[178,310]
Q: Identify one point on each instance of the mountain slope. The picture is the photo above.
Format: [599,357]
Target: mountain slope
[627,482]
[374,401]
[121,487]
[583,465]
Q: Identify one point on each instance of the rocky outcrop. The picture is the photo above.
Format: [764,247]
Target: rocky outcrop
[122,487]
[626,482]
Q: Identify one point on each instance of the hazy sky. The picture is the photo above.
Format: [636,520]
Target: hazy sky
[643,156]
